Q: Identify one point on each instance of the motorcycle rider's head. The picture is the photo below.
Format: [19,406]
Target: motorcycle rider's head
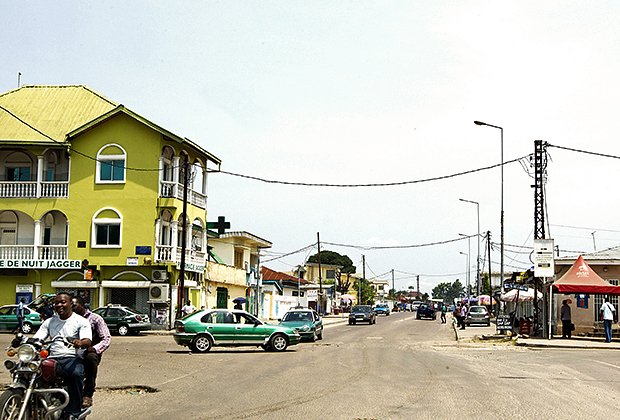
[63,305]
[78,305]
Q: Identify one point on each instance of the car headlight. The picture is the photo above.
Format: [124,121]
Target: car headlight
[305,328]
[26,353]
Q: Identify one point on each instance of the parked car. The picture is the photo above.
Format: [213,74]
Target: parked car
[478,315]
[123,319]
[223,327]
[382,309]
[362,313]
[8,319]
[307,322]
[425,311]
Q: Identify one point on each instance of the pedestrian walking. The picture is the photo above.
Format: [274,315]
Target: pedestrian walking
[443,313]
[456,314]
[608,313]
[463,315]
[566,320]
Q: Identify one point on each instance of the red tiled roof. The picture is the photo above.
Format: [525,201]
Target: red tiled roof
[269,274]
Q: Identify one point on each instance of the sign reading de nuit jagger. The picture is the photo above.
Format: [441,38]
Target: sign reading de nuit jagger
[42,264]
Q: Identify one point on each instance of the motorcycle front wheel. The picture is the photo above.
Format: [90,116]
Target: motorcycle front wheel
[10,404]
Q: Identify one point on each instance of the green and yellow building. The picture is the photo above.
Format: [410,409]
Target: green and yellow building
[91,202]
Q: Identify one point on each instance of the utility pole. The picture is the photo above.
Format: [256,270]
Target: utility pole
[540,169]
[418,285]
[393,288]
[359,298]
[181,281]
[320,299]
[490,270]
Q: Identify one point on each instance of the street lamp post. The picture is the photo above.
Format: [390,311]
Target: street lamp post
[501,255]
[467,274]
[478,282]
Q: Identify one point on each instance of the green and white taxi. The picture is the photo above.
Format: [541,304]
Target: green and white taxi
[231,327]
[306,321]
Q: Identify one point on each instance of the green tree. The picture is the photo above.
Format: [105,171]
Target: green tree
[334,258]
[448,291]
[368,294]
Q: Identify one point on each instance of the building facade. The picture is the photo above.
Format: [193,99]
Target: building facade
[92,202]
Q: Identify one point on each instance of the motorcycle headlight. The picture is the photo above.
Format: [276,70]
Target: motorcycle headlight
[26,353]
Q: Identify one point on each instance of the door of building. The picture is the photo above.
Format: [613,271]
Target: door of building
[222,297]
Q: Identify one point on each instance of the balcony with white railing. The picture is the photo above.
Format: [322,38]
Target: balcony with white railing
[53,252]
[32,252]
[171,254]
[34,189]
[16,252]
[171,189]
[18,189]
[55,189]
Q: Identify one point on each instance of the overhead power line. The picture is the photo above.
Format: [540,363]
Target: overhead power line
[369,248]
[378,184]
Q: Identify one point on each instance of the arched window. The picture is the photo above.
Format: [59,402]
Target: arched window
[107,229]
[18,167]
[197,177]
[111,160]
[167,155]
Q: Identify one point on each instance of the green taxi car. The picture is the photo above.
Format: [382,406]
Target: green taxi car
[8,319]
[231,327]
[307,322]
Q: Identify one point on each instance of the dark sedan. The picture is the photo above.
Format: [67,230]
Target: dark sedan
[425,311]
[362,313]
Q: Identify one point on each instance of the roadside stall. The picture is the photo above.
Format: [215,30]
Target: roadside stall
[579,279]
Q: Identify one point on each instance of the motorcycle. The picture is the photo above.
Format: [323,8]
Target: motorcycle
[37,391]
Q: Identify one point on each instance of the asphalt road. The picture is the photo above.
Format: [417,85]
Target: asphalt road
[399,368]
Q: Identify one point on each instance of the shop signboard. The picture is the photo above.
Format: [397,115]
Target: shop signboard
[544,264]
[42,264]
[503,322]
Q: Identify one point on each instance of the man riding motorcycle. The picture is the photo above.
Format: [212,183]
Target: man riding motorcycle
[100,343]
[76,330]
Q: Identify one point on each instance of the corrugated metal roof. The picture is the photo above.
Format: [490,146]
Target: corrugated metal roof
[12,128]
[51,110]
[610,256]
[45,114]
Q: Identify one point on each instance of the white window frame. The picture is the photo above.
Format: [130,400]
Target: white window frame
[101,157]
[106,221]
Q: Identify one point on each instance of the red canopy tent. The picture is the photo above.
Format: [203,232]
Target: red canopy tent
[580,278]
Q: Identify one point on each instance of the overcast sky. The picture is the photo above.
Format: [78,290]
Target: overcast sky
[356,92]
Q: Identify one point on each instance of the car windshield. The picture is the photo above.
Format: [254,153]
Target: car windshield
[361,308]
[297,316]
[478,309]
[381,305]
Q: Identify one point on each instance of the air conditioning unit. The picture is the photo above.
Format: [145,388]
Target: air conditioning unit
[159,293]
[159,275]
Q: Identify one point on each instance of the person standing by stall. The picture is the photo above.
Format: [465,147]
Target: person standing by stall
[566,320]
[608,313]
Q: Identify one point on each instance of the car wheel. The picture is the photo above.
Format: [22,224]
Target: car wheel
[202,344]
[123,330]
[418,317]
[319,336]
[313,339]
[388,314]
[278,342]
[26,328]
[350,322]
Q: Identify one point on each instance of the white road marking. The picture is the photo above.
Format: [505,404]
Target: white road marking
[607,364]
